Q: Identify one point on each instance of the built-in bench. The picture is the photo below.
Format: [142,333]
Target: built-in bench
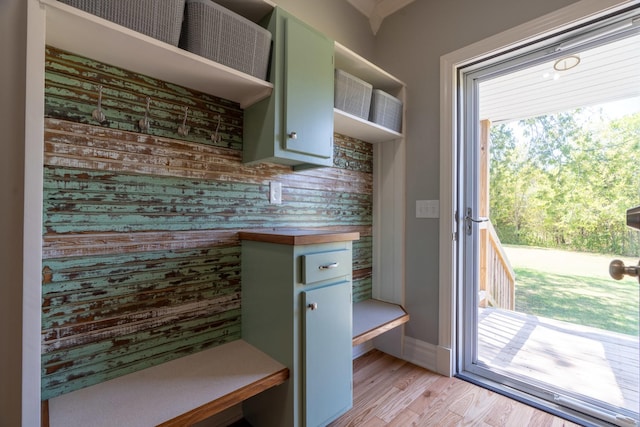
[176,393]
[193,388]
[373,317]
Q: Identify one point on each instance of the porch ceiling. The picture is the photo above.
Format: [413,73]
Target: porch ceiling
[604,74]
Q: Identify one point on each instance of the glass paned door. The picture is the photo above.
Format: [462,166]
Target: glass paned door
[550,164]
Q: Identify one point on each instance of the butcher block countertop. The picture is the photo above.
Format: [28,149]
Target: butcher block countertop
[298,237]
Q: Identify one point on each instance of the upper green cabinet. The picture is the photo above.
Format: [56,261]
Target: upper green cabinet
[294,126]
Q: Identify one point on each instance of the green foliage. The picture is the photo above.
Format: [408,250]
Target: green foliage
[590,301]
[566,180]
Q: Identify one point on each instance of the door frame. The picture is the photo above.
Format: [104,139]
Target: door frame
[563,19]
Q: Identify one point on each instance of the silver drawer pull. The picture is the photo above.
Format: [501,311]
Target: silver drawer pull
[329,266]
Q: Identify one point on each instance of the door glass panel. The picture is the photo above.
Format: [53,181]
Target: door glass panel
[555,168]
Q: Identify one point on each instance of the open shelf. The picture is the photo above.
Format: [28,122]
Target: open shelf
[373,317]
[357,66]
[350,125]
[88,35]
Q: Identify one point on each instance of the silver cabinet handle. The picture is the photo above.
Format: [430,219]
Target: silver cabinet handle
[313,306]
[293,135]
[329,266]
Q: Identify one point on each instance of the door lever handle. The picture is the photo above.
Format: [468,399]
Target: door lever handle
[469,220]
[469,217]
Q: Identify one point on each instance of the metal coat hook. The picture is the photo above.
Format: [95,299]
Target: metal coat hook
[183,129]
[214,136]
[144,122]
[97,114]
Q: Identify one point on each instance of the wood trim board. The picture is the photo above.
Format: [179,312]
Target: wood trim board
[298,237]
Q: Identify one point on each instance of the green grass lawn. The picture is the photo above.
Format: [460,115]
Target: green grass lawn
[601,303]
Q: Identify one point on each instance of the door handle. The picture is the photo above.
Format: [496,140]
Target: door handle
[469,220]
[618,270]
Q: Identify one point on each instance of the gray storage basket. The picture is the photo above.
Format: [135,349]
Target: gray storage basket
[221,35]
[160,19]
[386,110]
[352,95]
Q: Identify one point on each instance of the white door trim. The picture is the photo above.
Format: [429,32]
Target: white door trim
[567,17]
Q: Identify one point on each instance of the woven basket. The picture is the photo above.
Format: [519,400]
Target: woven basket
[386,110]
[160,19]
[221,35]
[352,95]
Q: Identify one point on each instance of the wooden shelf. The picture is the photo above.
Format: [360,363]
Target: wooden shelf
[176,393]
[357,66]
[373,317]
[350,125]
[84,34]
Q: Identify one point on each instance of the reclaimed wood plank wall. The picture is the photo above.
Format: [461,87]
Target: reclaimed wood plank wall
[141,259]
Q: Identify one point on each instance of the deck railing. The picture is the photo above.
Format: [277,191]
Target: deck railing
[497,278]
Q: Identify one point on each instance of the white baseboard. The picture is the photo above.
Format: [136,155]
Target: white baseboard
[432,357]
[444,361]
[361,349]
[420,353]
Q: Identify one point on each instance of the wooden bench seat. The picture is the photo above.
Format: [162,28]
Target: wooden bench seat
[177,393]
[373,317]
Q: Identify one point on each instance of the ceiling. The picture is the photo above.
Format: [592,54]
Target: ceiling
[377,10]
[604,74]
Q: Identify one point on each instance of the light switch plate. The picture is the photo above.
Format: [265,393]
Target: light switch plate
[427,208]
[275,192]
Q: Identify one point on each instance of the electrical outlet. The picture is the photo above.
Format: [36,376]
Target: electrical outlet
[275,192]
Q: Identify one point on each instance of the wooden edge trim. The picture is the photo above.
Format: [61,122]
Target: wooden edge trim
[372,333]
[44,413]
[228,400]
[299,237]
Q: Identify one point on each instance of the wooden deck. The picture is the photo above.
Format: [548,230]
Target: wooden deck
[599,364]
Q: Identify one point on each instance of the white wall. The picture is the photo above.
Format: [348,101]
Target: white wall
[409,45]
[336,19]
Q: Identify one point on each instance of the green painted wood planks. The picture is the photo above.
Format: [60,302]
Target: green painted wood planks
[141,256]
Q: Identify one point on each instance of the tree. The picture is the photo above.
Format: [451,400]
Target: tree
[566,180]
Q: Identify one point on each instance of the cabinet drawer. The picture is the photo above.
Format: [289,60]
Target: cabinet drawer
[321,266]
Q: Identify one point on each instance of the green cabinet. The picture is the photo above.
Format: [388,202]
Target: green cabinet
[296,307]
[294,126]
[328,368]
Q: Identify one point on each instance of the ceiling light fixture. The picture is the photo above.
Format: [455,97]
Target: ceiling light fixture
[566,63]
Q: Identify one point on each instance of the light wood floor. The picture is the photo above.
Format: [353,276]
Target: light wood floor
[391,392]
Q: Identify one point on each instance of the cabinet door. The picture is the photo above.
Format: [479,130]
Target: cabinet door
[327,353]
[308,119]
